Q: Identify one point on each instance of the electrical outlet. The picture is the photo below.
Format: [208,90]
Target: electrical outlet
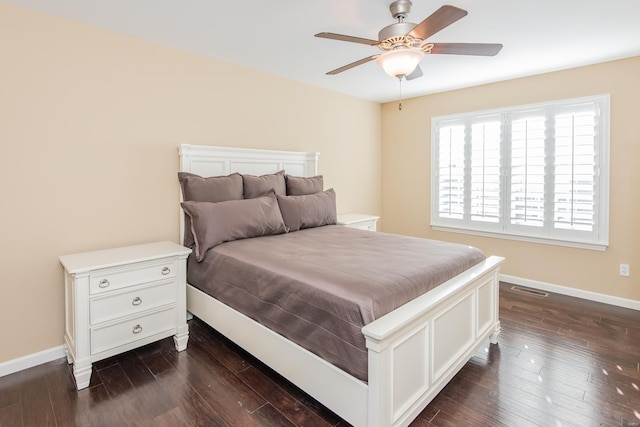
[624,270]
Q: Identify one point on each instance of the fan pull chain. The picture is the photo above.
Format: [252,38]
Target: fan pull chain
[400,102]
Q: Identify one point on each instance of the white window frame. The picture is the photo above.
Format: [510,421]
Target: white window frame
[598,239]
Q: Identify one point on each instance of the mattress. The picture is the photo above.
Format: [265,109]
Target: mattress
[318,287]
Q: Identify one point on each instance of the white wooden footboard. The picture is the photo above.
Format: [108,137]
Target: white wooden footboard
[415,350]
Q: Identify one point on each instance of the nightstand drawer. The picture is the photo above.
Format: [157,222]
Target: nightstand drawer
[131,301]
[114,335]
[135,274]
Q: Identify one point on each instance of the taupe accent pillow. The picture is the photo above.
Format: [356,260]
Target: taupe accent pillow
[256,186]
[212,189]
[215,223]
[300,186]
[307,211]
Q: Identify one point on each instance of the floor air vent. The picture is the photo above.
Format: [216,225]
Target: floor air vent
[530,291]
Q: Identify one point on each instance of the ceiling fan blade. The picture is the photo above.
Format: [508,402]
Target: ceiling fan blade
[480,49]
[353,64]
[416,73]
[351,39]
[438,20]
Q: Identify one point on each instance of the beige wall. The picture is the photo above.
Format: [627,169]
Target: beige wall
[90,122]
[406,174]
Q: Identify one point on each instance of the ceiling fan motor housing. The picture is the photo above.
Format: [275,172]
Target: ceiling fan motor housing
[398,29]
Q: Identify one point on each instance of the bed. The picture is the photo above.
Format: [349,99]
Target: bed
[411,352]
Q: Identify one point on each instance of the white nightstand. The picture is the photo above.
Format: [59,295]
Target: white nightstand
[363,222]
[120,299]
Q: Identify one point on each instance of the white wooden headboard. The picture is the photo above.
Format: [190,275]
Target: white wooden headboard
[209,161]
[215,161]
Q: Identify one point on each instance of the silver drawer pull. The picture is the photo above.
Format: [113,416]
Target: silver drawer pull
[103,283]
[165,271]
[137,329]
[136,301]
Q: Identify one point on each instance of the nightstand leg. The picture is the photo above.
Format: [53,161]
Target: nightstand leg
[82,372]
[180,339]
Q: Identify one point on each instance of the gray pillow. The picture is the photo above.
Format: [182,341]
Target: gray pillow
[212,189]
[256,186]
[299,186]
[307,211]
[215,223]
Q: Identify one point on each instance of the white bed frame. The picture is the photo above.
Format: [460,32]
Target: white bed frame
[414,351]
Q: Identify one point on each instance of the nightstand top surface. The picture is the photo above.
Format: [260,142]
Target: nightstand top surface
[87,261]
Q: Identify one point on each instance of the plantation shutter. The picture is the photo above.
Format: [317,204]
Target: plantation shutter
[451,166]
[576,168]
[527,156]
[485,169]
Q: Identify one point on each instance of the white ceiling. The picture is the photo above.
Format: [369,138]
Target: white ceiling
[277,36]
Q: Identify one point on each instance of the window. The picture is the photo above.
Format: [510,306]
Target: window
[537,173]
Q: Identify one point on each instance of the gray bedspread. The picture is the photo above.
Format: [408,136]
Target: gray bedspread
[318,287]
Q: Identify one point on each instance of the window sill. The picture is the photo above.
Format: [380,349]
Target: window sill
[555,242]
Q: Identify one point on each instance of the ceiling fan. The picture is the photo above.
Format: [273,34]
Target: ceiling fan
[403,43]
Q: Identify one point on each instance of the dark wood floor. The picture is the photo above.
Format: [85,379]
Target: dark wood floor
[560,362]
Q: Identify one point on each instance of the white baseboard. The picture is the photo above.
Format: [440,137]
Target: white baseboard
[579,293]
[31,360]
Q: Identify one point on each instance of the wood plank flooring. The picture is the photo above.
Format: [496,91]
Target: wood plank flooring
[560,361]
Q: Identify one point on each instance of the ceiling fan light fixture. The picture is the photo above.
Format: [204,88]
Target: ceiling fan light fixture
[400,62]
